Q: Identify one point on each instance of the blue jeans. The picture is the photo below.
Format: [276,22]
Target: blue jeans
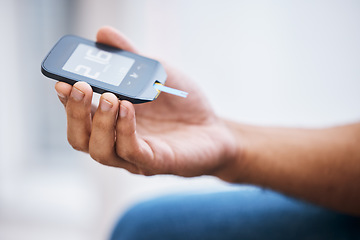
[240,214]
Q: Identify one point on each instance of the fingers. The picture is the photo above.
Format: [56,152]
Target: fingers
[110,137]
[78,110]
[129,145]
[111,36]
[102,138]
[63,91]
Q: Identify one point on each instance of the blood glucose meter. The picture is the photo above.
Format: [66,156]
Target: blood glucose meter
[107,69]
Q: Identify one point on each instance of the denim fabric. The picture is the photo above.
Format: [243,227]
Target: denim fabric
[239,214]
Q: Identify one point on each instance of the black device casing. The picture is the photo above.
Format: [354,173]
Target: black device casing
[139,92]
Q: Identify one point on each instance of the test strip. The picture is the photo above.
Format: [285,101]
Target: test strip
[172,91]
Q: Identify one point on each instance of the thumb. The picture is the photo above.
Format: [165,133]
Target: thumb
[111,36]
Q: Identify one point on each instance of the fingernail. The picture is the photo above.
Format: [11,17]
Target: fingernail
[77,94]
[123,111]
[60,95]
[105,105]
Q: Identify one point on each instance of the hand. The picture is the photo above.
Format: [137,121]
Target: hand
[169,135]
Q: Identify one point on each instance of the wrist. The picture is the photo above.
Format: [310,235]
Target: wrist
[236,167]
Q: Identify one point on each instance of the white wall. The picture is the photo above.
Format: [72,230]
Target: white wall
[268,62]
[287,63]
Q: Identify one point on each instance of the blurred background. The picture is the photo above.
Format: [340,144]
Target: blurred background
[283,63]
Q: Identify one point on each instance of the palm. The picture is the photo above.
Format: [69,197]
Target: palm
[183,134]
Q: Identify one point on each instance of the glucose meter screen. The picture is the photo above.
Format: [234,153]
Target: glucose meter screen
[97,64]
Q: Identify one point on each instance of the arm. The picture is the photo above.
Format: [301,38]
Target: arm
[319,165]
[185,137]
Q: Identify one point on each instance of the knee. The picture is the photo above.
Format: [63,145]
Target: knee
[142,221]
[131,224]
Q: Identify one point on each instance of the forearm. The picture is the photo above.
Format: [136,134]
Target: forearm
[321,166]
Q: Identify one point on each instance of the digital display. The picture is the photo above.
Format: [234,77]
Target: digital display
[97,64]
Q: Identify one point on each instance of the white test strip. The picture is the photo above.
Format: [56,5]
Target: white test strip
[172,91]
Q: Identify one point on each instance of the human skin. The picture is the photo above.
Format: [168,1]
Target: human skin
[172,135]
